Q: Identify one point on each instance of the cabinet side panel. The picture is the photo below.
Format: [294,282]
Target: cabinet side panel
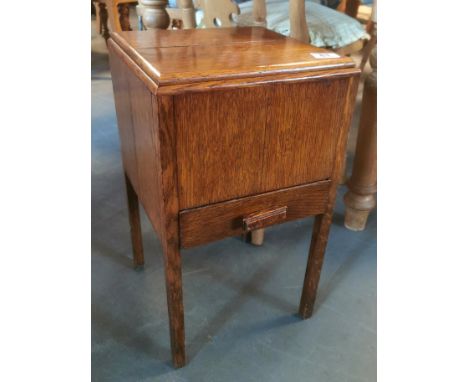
[304,121]
[220,138]
[145,131]
[124,117]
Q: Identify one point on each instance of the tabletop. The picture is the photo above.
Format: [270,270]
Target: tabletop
[192,55]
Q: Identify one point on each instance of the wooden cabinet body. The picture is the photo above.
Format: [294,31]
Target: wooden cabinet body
[226,129]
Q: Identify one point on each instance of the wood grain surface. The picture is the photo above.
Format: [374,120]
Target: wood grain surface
[264,218]
[301,132]
[231,53]
[214,222]
[164,109]
[139,144]
[124,117]
[323,221]
[220,145]
[190,37]
[267,138]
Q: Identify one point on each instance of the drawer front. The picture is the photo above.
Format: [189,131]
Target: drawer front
[214,222]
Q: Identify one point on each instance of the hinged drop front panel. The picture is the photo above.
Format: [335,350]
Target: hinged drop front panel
[220,143]
[304,121]
[241,142]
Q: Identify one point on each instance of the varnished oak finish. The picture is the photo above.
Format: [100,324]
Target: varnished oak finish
[229,53]
[302,130]
[205,224]
[235,121]
[135,225]
[170,226]
[322,222]
[226,131]
[263,219]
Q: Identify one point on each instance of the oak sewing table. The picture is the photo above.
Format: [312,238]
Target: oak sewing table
[224,131]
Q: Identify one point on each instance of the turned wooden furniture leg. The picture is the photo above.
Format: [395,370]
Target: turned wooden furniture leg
[360,199]
[155,15]
[124,17]
[188,13]
[318,245]
[135,225]
[103,16]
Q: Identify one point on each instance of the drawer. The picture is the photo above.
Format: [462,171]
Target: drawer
[234,217]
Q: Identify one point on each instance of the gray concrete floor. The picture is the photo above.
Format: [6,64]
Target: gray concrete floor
[240,301]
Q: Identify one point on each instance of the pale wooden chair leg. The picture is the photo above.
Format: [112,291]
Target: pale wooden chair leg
[257,236]
[318,245]
[298,22]
[259,12]
[188,13]
[362,186]
[135,225]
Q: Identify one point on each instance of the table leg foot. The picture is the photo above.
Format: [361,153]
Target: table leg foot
[358,208]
